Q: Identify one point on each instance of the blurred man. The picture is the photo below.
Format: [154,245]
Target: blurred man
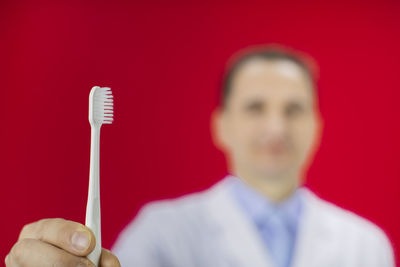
[268,125]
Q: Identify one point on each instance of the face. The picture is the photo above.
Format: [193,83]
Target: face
[269,125]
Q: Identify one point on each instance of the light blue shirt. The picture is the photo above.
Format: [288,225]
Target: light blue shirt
[276,223]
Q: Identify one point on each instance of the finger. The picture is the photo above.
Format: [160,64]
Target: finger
[36,253]
[108,259]
[68,235]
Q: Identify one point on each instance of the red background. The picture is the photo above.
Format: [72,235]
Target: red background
[164,62]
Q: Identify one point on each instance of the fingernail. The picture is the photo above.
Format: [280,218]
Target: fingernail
[80,241]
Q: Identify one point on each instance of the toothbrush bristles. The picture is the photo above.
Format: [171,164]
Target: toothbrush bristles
[103,105]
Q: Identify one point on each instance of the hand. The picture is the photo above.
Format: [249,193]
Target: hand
[56,242]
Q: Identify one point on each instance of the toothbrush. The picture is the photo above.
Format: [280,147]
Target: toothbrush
[100,112]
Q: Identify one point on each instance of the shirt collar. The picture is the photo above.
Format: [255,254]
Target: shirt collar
[260,207]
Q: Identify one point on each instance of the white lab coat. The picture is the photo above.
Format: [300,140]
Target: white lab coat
[209,229]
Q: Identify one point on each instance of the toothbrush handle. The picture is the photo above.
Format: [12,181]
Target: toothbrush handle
[93,218]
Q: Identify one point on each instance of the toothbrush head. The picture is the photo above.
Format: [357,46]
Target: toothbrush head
[100,106]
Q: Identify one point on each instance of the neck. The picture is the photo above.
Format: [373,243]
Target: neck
[276,188]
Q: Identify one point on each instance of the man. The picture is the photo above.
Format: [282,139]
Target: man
[268,125]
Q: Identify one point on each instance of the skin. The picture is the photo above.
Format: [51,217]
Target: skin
[269,127]
[50,242]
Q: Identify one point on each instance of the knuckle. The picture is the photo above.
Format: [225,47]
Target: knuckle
[27,230]
[42,226]
[35,229]
[19,250]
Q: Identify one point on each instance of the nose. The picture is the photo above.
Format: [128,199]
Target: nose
[275,126]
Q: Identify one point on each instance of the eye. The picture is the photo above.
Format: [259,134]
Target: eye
[254,107]
[294,109]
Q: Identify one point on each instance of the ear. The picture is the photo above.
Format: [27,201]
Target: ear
[316,141]
[319,127]
[218,129]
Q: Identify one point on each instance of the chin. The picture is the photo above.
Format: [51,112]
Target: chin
[273,173]
[278,170]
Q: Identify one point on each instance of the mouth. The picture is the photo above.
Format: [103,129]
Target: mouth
[275,149]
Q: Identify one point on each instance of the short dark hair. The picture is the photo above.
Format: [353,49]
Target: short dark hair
[266,52]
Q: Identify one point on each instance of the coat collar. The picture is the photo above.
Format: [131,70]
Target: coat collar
[239,238]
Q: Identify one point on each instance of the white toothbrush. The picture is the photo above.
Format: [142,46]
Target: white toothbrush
[100,112]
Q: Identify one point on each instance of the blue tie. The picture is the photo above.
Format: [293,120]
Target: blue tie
[278,239]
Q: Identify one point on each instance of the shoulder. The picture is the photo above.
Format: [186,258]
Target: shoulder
[337,217]
[164,225]
[169,214]
[349,229]
[180,207]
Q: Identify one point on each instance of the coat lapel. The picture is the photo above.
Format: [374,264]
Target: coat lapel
[313,241]
[238,238]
